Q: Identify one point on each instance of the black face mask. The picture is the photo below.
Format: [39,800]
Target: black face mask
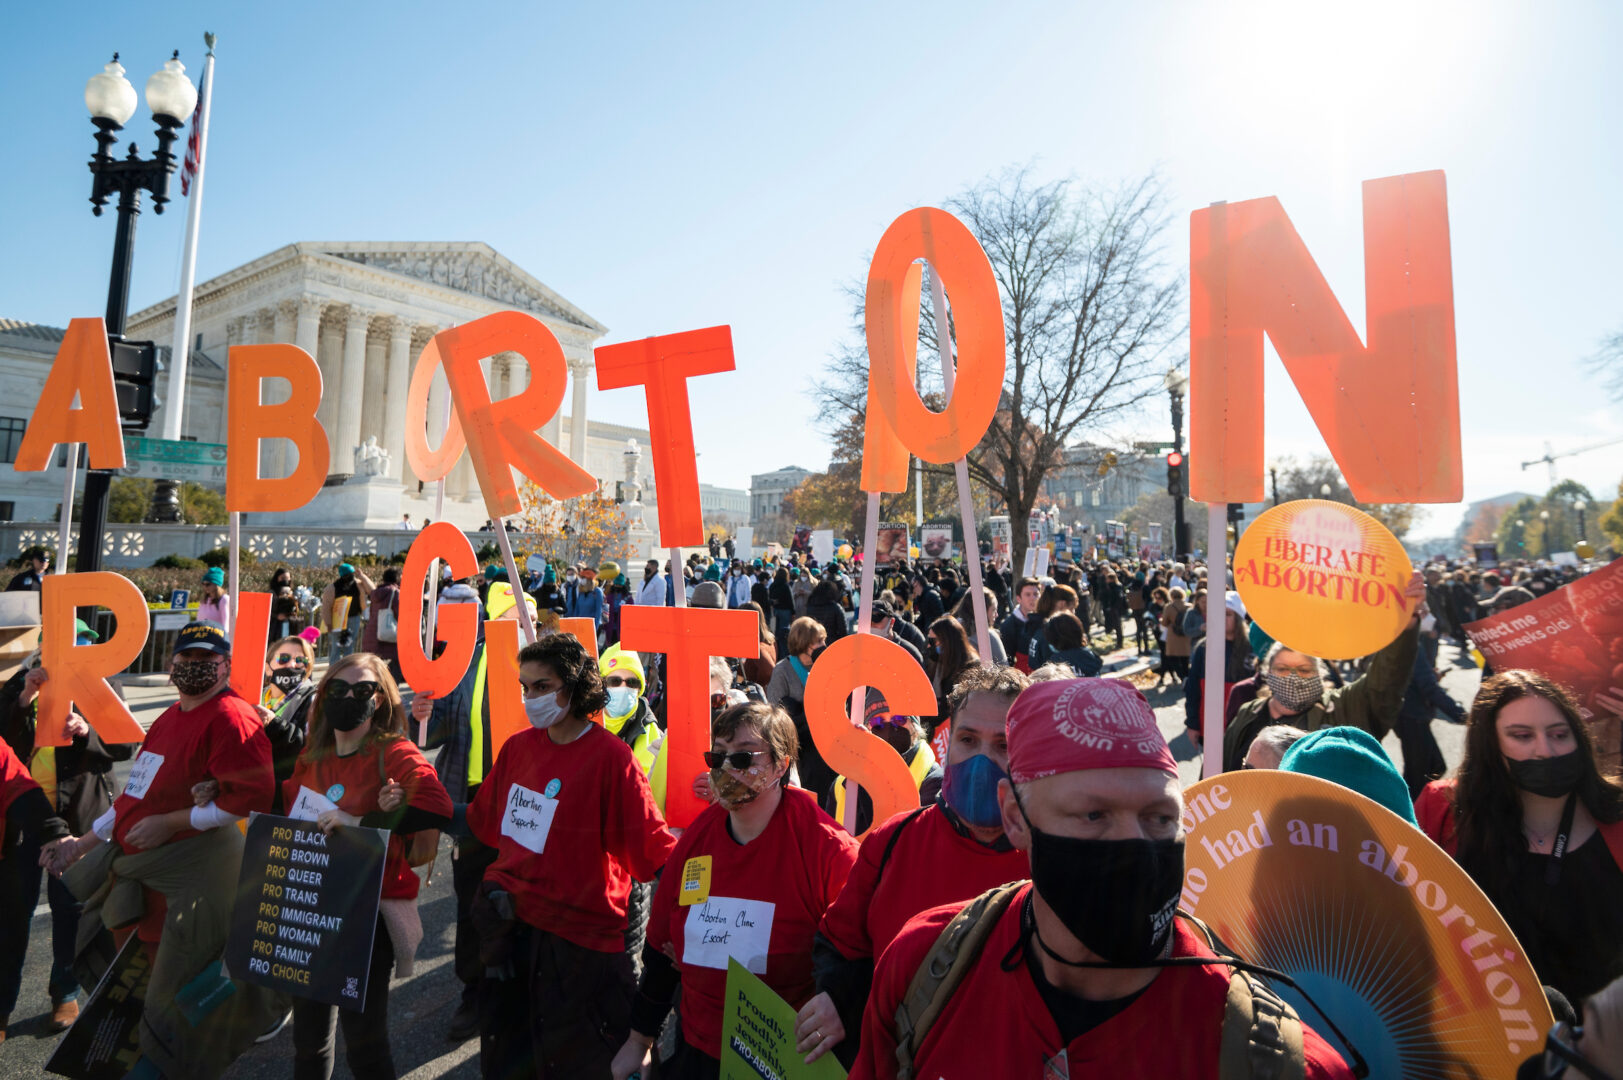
[1551,777]
[347,714]
[1126,922]
[286,679]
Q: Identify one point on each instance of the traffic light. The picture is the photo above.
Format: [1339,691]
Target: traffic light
[135,371]
[1175,475]
[1236,512]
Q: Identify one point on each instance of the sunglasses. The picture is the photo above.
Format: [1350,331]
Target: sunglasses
[291,658]
[621,680]
[738,759]
[338,689]
[1559,1053]
[895,720]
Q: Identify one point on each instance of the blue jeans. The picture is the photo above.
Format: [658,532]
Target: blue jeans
[353,628]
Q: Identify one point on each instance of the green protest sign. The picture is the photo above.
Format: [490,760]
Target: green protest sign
[758,1035]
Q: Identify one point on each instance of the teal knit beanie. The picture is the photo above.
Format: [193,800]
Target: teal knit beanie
[1351,757]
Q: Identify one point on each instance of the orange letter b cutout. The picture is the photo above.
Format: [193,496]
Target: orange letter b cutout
[248,421]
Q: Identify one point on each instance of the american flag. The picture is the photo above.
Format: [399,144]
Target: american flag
[194,157]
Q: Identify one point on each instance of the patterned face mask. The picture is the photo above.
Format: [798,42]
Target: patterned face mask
[1295,692]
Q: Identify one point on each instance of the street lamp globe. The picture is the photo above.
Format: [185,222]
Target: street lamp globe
[109,95]
[1580,506]
[1544,515]
[170,93]
[1325,490]
[1520,524]
[1177,380]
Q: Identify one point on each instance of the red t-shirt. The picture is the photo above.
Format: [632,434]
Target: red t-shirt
[932,864]
[221,738]
[997,1024]
[353,782]
[572,825]
[15,780]
[766,899]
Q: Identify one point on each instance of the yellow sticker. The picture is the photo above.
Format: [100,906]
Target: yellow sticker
[695,881]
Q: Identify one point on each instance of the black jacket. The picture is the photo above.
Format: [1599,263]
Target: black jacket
[84,770]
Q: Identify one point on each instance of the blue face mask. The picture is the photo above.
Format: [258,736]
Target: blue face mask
[970,788]
[622,699]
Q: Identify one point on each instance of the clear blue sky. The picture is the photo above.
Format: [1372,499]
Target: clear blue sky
[668,167]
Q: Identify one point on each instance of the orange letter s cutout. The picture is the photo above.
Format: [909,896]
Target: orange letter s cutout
[79,672]
[866,759]
[83,365]
[1390,412]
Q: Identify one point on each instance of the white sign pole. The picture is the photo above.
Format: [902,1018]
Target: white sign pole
[1216,644]
[66,524]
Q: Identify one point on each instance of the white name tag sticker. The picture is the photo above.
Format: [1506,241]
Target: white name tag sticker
[141,773]
[724,927]
[527,817]
[310,805]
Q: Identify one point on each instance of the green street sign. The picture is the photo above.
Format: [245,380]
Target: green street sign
[174,459]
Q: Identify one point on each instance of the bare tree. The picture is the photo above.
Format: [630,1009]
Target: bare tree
[1608,364]
[1090,308]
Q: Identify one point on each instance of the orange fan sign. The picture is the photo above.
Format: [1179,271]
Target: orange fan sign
[1392,939]
[1389,411]
[1324,578]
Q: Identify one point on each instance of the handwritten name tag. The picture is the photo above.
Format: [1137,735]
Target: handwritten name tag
[141,773]
[723,927]
[528,817]
[310,805]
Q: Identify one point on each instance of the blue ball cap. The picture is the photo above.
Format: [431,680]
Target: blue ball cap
[203,634]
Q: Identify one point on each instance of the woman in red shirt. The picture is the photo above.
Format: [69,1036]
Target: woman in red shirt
[358,768]
[769,862]
[572,818]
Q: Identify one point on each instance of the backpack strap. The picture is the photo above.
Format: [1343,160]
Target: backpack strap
[1261,1035]
[951,957]
[890,844]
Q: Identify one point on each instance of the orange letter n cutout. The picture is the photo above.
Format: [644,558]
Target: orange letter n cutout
[663,365]
[249,421]
[1389,412]
[502,436]
[79,672]
[82,366]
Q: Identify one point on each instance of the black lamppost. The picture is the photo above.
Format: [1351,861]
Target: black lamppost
[1177,382]
[1581,506]
[111,101]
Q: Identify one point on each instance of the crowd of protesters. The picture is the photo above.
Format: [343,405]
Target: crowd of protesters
[1023,914]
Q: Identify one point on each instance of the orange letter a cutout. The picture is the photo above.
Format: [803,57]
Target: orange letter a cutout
[1390,412]
[83,366]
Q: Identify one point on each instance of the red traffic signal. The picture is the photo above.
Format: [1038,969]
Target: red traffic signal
[1174,459]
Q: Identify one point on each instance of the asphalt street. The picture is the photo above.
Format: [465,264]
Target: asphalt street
[420,1007]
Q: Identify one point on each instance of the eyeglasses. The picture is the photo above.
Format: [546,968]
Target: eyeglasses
[291,658]
[622,680]
[1559,1052]
[338,689]
[738,759]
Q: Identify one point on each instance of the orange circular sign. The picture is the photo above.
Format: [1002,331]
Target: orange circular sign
[1383,930]
[1324,578]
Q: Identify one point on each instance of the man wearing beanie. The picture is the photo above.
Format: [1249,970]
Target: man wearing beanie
[1076,972]
[1352,758]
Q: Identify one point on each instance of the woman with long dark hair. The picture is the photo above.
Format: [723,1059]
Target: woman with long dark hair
[1539,827]
[952,655]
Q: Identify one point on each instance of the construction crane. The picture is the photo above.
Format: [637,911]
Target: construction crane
[1550,456]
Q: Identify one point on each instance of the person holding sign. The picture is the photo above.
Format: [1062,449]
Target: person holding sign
[948,851]
[749,880]
[573,821]
[285,705]
[1295,693]
[173,865]
[1539,827]
[31,826]
[1085,970]
[359,768]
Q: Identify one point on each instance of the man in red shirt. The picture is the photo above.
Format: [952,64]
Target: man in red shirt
[573,821]
[949,851]
[1083,972]
[185,858]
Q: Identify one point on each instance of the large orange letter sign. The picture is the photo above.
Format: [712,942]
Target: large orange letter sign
[507,716]
[1390,413]
[500,436]
[249,422]
[688,637]
[78,673]
[249,634]
[664,365]
[897,420]
[82,366]
[864,660]
[456,624]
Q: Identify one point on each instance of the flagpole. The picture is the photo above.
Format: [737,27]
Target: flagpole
[181,351]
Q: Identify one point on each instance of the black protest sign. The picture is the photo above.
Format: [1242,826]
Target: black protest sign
[104,1043]
[307,906]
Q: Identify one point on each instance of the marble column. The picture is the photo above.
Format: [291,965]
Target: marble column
[376,381]
[273,452]
[463,482]
[351,389]
[394,402]
[577,413]
[329,359]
